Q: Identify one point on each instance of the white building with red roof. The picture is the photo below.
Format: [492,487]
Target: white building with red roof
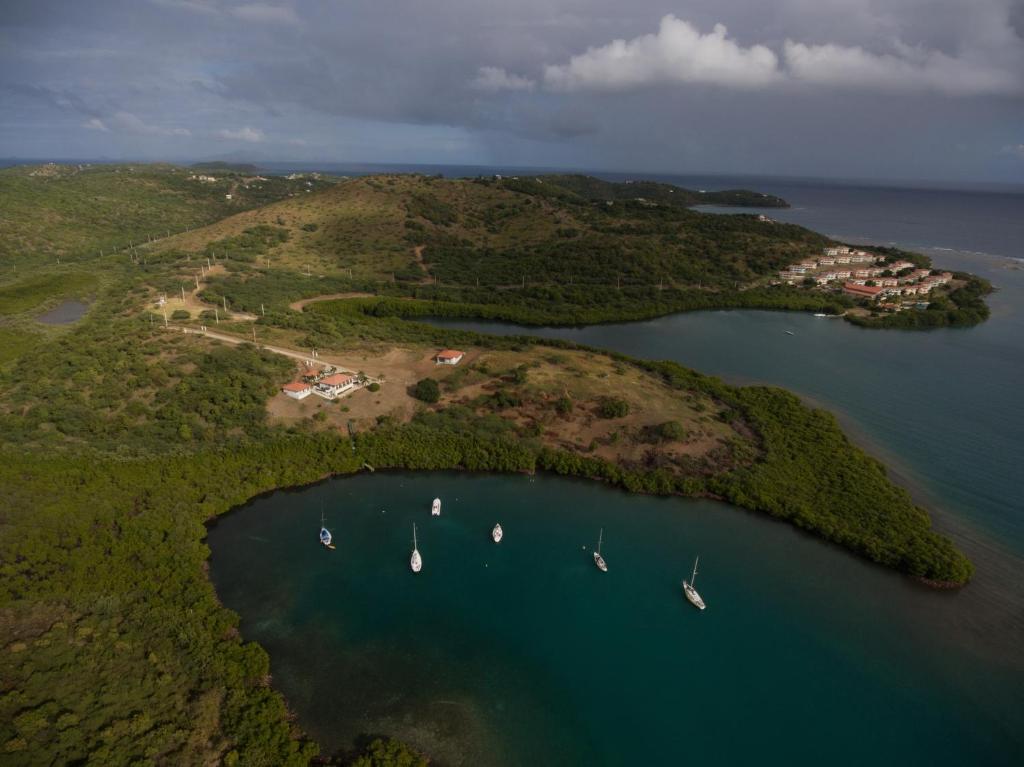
[297,390]
[333,386]
[448,357]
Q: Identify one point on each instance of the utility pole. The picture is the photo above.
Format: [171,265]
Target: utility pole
[208,263]
[197,281]
[216,315]
[254,334]
[183,293]
[165,318]
[225,304]
[263,311]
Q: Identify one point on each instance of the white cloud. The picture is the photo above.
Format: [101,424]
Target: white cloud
[494,79]
[194,6]
[676,53]
[247,134]
[296,142]
[266,13]
[1017,150]
[908,68]
[679,53]
[126,122]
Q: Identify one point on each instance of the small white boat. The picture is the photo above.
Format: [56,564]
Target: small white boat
[598,559]
[497,533]
[819,314]
[435,508]
[790,333]
[415,561]
[325,534]
[690,591]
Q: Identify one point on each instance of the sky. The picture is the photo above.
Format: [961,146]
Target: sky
[871,89]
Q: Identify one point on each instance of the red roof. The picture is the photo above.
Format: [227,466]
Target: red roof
[338,379]
[449,354]
[868,290]
[295,386]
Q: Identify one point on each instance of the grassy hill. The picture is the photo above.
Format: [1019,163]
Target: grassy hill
[72,212]
[553,247]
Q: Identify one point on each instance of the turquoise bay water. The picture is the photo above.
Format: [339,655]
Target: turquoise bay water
[524,654]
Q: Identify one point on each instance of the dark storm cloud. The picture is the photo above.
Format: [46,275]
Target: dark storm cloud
[855,87]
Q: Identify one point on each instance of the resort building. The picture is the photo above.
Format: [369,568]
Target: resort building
[297,390]
[449,357]
[862,291]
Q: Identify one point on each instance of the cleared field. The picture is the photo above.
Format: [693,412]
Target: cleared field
[556,397]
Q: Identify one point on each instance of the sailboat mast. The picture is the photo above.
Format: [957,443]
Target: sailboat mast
[414,535]
[694,576]
[600,537]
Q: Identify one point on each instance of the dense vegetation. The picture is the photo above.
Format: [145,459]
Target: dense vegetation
[73,212]
[121,439]
[590,189]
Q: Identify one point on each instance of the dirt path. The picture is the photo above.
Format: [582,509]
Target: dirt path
[298,305]
[303,356]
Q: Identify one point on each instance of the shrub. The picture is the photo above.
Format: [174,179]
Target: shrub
[672,431]
[374,387]
[181,314]
[613,407]
[563,405]
[426,390]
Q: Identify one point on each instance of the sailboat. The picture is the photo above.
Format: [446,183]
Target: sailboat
[325,534]
[497,533]
[690,591]
[435,508]
[415,561]
[598,559]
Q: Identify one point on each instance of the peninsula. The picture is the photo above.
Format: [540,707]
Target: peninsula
[192,384]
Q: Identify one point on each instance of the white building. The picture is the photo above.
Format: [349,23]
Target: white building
[333,386]
[448,357]
[297,390]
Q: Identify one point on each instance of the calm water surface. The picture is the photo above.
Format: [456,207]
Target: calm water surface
[64,313]
[524,654]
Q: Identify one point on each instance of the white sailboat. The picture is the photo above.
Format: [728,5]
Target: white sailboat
[497,533]
[598,559]
[325,534]
[435,508]
[690,591]
[415,561]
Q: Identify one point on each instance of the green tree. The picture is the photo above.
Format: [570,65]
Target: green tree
[426,390]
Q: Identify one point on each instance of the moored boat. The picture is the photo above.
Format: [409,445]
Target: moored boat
[435,508]
[598,559]
[415,561]
[325,534]
[690,591]
[497,533]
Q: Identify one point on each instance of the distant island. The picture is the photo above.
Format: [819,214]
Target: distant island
[203,374]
